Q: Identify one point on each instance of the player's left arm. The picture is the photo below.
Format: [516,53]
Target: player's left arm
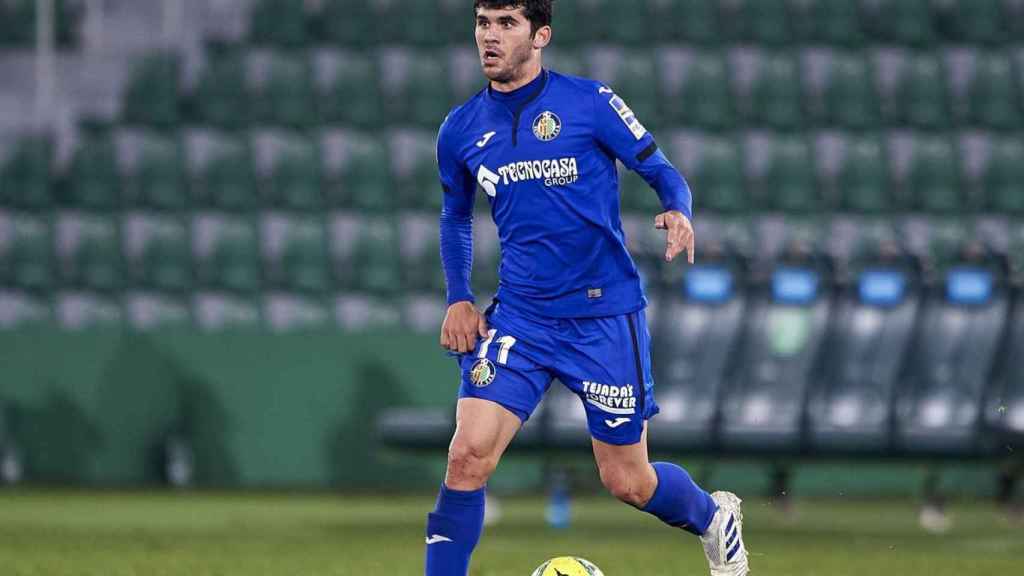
[619,131]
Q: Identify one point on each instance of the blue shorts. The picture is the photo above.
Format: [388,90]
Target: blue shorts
[604,361]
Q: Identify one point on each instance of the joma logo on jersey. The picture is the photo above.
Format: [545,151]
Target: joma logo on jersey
[611,399]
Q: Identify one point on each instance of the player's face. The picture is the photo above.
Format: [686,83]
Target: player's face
[504,42]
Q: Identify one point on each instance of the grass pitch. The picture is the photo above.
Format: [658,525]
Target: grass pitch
[45,533]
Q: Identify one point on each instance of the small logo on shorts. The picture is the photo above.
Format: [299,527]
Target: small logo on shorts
[482,373]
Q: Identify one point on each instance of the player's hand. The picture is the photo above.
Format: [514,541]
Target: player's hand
[462,324]
[680,233]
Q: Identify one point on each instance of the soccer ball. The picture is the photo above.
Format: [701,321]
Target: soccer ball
[568,566]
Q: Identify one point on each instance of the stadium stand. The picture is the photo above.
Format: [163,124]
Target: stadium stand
[278,173]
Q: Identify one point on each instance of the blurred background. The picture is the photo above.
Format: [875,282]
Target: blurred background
[219,257]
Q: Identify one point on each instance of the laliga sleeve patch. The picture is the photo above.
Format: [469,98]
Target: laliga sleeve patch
[482,373]
[627,117]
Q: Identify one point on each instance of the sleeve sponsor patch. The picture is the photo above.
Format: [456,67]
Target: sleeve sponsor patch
[627,116]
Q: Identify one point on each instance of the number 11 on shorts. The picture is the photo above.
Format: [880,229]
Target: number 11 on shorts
[505,344]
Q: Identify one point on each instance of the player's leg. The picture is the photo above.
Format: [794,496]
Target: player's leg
[500,389]
[483,431]
[667,492]
[662,489]
[612,375]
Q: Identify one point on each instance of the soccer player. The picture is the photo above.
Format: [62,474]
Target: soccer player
[543,146]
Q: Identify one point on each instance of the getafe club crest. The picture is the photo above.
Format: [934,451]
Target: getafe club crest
[482,373]
[547,126]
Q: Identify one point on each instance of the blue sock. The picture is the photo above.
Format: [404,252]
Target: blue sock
[679,502]
[453,529]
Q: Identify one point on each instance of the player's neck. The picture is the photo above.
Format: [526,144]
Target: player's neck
[531,70]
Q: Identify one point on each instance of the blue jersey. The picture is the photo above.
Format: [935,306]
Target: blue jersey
[546,161]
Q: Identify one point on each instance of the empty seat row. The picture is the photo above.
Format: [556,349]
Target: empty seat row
[139,310]
[730,173]
[127,167]
[231,252]
[718,89]
[792,364]
[882,367]
[18,22]
[430,22]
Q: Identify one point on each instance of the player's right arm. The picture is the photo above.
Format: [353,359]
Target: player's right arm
[463,322]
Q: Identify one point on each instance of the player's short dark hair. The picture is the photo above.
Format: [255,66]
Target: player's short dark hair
[538,12]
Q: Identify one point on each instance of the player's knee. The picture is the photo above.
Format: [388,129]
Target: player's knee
[470,464]
[624,484]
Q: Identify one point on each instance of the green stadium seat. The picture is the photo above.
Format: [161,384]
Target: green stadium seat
[79,311]
[26,172]
[632,79]
[295,252]
[486,257]
[416,176]
[559,59]
[863,177]
[226,253]
[923,97]
[1004,176]
[155,312]
[23,311]
[280,88]
[18,22]
[421,93]
[617,22]
[348,89]
[1014,11]
[717,177]
[908,22]
[421,253]
[766,22]
[367,174]
[689,21]
[344,22]
[26,251]
[152,93]
[705,99]
[89,251]
[152,169]
[157,251]
[850,97]
[995,98]
[220,312]
[422,22]
[975,21]
[92,178]
[281,22]
[288,167]
[423,313]
[360,312]
[375,257]
[835,22]
[933,178]
[290,312]
[776,95]
[220,170]
[637,195]
[789,183]
[220,96]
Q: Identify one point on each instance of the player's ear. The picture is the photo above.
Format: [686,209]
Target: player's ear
[542,37]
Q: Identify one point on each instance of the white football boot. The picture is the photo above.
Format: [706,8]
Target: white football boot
[723,541]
